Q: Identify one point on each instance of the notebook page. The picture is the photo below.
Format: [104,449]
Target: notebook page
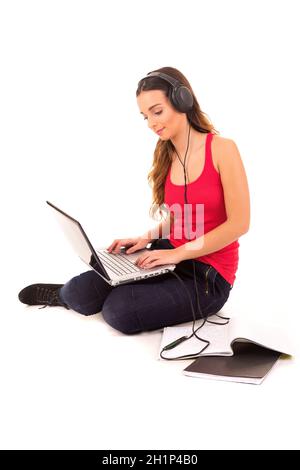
[270,336]
[217,335]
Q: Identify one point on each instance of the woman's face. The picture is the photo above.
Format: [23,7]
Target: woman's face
[157,109]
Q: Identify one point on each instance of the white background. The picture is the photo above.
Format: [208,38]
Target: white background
[71,133]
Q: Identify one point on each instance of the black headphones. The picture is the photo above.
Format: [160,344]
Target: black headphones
[180,97]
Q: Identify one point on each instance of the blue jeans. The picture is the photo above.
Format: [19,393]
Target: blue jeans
[151,303]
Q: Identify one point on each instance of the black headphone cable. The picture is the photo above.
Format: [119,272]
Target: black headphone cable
[194,332]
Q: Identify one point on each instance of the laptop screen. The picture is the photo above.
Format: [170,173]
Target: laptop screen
[78,239]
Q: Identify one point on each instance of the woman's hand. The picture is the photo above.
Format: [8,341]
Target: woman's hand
[135,244]
[157,257]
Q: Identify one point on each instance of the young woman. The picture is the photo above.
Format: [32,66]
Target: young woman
[212,175]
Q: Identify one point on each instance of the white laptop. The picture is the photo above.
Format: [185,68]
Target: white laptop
[115,269]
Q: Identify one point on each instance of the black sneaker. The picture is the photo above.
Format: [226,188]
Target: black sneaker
[42,294]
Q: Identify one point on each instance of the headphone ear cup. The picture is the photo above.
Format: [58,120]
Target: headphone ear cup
[183,98]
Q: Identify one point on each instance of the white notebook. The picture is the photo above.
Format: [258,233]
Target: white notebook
[222,337]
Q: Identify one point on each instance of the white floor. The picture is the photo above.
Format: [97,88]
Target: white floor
[70,381]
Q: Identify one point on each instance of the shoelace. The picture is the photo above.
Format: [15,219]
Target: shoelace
[50,297]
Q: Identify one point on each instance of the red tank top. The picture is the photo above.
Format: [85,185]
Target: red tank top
[207,190]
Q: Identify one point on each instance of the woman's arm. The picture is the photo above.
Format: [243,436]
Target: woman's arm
[237,203]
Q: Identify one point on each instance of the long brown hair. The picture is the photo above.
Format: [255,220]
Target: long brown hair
[164,149]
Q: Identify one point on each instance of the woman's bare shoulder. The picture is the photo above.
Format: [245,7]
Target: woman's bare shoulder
[219,145]
[219,141]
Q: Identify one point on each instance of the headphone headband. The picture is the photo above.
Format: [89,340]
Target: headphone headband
[173,81]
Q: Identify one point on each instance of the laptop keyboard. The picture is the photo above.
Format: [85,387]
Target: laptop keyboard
[118,263]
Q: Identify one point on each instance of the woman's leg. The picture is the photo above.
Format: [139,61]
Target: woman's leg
[162,301]
[85,293]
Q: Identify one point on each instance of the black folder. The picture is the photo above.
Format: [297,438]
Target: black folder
[250,363]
